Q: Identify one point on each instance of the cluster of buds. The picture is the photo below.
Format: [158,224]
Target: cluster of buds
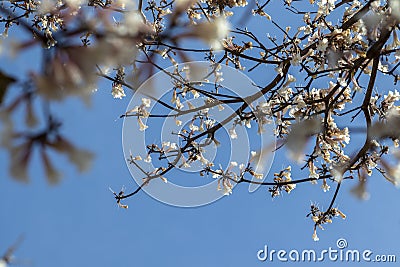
[319,218]
[282,180]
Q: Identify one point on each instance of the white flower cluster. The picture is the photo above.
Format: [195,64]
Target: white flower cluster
[212,32]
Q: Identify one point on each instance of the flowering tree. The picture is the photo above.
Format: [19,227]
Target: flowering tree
[327,67]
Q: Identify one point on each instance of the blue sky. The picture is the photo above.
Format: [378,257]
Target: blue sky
[77,223]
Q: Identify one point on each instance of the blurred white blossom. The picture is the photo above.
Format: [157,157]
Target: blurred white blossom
[300,133]
[360,190]
[213,32]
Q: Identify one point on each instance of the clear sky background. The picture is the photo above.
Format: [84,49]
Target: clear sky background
[77,223]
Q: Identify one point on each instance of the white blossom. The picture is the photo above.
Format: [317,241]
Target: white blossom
[217,174]
[195,94]
[326,6]
[184,4]
[46,6]
[213,32]
[117,91]
[193,127]
[178,122]
[76,4]
[131,24]
[147,159]
[146,102]
[142,126]
[138,157]
[299,135]
[296,59]
[325,186]
[395,6]
[315,236]
[232,133]
[376,4]
[209,123]
[337,174]
[360,191]
[322,45]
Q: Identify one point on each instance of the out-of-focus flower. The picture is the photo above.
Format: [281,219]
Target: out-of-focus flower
[213,32]
[30,118]
[47,6]
[396,42]
[1,46]
[124,4]
[322,45]
[360,190]
[300,133]
[375,4]
[131,24]
[385,129]
[75,76]
[53,176]
[73,70]
[19,159]
[337,173]
[392,173]
[113,51]
[395,6]
[182,5]
[75,4]
[81,158]
[7,129]
[333,57]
